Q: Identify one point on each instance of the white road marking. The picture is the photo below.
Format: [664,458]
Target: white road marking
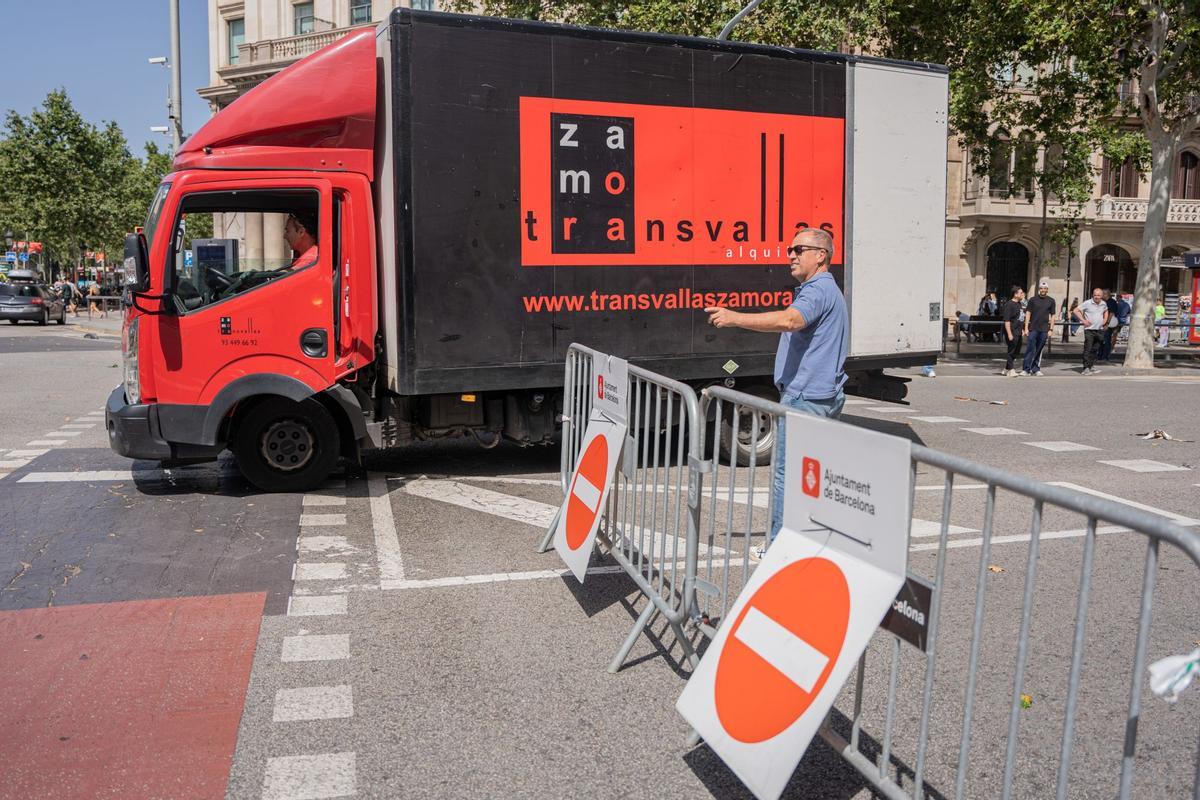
[310,777]
[498,577]
[79,426]
[938,487]
[45,442]
[996,431]
[324,544]
[14,463]
[498,504]
[890,409]
[26,453]
[859,401]
[1061,447]
[387,542]
[316,605]
[333,571]
[323,500]
[62,433]
[587,492]
[314,647]
[1018,537]
[1178,519]
[799,661]
[1145,465]
[313,702]
[924,527]
[505,479]
[939,420]
[82,476]
[310,520]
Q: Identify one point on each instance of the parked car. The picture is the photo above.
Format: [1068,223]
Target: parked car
[30,301]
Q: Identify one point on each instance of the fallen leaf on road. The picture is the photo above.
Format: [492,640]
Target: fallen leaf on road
[995,568]
[1026,700]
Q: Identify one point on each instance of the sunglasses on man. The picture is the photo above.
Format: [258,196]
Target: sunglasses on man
[797,250]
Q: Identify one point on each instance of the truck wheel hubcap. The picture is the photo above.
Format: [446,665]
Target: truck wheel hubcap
[746,433]
[287,445]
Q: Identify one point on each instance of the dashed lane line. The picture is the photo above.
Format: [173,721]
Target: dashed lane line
[46,442]
[316,605]
[1061,447]
[1144,465]
[996,431]
[310,777]
[313,703]
[322,520]
[316,647]
[323,571]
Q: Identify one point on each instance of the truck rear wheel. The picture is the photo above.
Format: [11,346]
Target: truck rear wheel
[736,440]
[285,446]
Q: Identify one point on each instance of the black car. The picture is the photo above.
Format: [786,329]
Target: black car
[30,301]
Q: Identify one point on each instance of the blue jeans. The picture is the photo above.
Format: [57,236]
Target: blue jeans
[1033,350]
[830,407]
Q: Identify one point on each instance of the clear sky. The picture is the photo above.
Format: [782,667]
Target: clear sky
[97,51]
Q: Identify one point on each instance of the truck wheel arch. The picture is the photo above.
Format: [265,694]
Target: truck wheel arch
[244,389]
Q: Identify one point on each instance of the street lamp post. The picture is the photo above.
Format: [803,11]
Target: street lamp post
[174,108]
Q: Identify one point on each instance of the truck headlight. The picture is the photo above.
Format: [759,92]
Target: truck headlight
[129,359]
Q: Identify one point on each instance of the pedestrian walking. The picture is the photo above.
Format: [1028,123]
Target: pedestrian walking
[813,344]
[1160,319]
[1070,317]
[1014,327]
[1094,315]
[1110,329]
[92,294]
[1039,319]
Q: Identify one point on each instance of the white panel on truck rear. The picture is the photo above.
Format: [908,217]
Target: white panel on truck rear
[896,175]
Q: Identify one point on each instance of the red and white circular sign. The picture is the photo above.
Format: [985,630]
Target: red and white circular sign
[781,649]
[583,504]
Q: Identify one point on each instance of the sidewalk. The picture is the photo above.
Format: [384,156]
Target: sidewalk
[98,323]
[1056,350]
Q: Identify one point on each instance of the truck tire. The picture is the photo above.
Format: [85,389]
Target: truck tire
[285,446]
[738,444]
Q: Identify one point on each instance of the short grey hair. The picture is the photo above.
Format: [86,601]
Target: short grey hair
[820,238]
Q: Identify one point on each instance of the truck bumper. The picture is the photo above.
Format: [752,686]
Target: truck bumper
[129,431]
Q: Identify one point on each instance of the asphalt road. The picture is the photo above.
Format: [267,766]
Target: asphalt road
[395,634]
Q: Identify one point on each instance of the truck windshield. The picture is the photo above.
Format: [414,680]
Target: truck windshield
[156,207]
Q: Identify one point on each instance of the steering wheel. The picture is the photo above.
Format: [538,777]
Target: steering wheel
[216,280]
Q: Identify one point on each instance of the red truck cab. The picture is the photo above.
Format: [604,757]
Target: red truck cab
[260,350]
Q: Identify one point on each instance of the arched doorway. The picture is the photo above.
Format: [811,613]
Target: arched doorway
[1007,266]
[1109,267]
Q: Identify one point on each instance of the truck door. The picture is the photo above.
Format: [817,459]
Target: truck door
[249,275]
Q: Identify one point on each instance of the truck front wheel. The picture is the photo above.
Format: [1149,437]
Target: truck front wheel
[285,446]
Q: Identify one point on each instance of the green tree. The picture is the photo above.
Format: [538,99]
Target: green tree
[1157,47]
[66,183]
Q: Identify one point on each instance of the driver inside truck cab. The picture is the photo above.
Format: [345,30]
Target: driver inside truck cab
[300,233]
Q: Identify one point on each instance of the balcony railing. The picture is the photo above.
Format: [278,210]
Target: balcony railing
[274,53]
[1122,209]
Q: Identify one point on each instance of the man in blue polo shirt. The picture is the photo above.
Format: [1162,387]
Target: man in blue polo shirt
[814,341]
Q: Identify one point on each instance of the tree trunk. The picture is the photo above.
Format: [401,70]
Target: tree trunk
[1140,352]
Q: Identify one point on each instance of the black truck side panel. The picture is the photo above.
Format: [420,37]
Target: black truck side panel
[486,303]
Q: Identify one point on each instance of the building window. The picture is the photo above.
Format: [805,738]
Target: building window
[425,5]
[302,18]
[235,35]
[1119,180]
[999,165]
[360,12]
[1186,185]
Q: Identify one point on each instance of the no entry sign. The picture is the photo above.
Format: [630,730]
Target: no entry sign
[587,492]
[797,629]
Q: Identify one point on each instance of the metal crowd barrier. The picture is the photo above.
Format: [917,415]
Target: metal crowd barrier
[652,517]
[723,566]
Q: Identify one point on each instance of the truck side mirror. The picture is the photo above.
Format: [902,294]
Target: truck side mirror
[137,262]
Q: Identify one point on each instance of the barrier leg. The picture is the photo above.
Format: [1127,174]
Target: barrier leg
[689,652]
[647,616]
[548,539]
